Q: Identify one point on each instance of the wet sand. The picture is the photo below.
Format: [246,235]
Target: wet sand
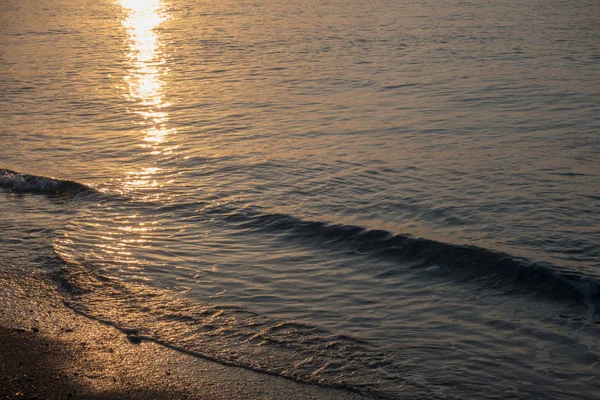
[47,351]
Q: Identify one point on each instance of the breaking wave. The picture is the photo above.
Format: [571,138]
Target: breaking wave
[24,183]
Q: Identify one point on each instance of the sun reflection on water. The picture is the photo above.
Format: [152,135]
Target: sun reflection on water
[144,80]
[121,238]
[145,86]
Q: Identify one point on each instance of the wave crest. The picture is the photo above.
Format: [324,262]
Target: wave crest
[25,183]
[461,262]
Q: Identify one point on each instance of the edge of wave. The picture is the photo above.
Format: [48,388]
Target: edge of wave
[464,262]
[20,182]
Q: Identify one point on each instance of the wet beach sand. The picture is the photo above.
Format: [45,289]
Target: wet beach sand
[47,351]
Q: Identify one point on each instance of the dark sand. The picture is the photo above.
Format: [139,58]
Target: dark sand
[47,351]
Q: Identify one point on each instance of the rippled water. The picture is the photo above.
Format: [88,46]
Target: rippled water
[399,197]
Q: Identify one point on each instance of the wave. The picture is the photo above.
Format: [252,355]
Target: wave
[25,183]
[236,336]
[231,335]
[463,262]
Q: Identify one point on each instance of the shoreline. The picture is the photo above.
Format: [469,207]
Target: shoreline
[48,351]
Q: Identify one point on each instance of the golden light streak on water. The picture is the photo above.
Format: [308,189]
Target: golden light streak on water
[125,234]
[147,60]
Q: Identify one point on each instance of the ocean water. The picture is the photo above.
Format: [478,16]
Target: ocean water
[395,197]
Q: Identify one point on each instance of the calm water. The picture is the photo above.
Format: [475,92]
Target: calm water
[401,197]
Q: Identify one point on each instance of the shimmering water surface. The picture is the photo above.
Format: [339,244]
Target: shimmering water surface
[400,197]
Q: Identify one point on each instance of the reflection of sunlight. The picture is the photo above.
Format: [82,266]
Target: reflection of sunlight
[142,179]
[145,84]
[118,238]
[119,244]
[154,135]
[146,88]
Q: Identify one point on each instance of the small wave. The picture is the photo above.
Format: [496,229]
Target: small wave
[230,335]
[24,183]
[463,262]
[405,85]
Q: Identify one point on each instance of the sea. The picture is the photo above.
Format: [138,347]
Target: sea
[395,197]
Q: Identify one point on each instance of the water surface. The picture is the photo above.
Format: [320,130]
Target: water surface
[398,197]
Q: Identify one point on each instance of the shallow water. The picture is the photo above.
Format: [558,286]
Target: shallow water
[400,197]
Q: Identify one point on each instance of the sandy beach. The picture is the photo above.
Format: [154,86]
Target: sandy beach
[47,351]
